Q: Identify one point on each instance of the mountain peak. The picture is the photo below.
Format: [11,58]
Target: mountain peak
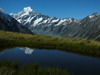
[93,15]
[28,9]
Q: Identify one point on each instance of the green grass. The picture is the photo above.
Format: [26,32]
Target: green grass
[80,46]
[13,68]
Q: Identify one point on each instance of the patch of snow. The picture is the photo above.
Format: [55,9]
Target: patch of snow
[28,20]
[37,21]
[91,16]
[19,20]
[28,9]
[94,14]
[61,21]
[53,21]
[70,19]
[45,21]
[49,19]
[11,13]
[24,14]
[31,19]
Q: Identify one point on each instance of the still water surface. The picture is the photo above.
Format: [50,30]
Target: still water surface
[74,63]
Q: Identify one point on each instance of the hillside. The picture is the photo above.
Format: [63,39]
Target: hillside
[80,46]
[7,23]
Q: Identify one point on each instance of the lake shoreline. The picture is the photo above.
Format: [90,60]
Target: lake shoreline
[79,46]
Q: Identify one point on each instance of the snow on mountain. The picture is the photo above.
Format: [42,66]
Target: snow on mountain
[38,20]
[42,24]
[56,20]
[65,21]
[28,16]
[8,23]
[45,21]
[61,21]
[28,9]
[93,15]
[70,20]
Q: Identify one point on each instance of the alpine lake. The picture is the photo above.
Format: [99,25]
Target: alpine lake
[74,63]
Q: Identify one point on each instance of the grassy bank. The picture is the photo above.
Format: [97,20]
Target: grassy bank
[13,68]
[81,46]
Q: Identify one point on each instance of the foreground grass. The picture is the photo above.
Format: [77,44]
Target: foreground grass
[81,46]
[12,68]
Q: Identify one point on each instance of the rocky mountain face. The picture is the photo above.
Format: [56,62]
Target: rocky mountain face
[88,28]
[7,23]
[41,24]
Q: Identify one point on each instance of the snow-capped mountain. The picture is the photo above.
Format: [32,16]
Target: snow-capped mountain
[88,28]
[7,23]
[38,23]
[30,18]
[27,50]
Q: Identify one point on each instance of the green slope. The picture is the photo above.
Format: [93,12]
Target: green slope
[81,46]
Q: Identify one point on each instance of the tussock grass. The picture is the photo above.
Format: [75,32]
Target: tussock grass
[13,68]
[81,46]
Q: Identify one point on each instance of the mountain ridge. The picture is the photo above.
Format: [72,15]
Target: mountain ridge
[7,23]
[38,23]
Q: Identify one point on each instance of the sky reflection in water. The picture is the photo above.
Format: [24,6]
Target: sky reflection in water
[79,65]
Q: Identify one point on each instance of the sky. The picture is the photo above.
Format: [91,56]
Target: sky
[77,9]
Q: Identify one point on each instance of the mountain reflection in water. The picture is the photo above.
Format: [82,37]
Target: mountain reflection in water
[74,63]
[27,50]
